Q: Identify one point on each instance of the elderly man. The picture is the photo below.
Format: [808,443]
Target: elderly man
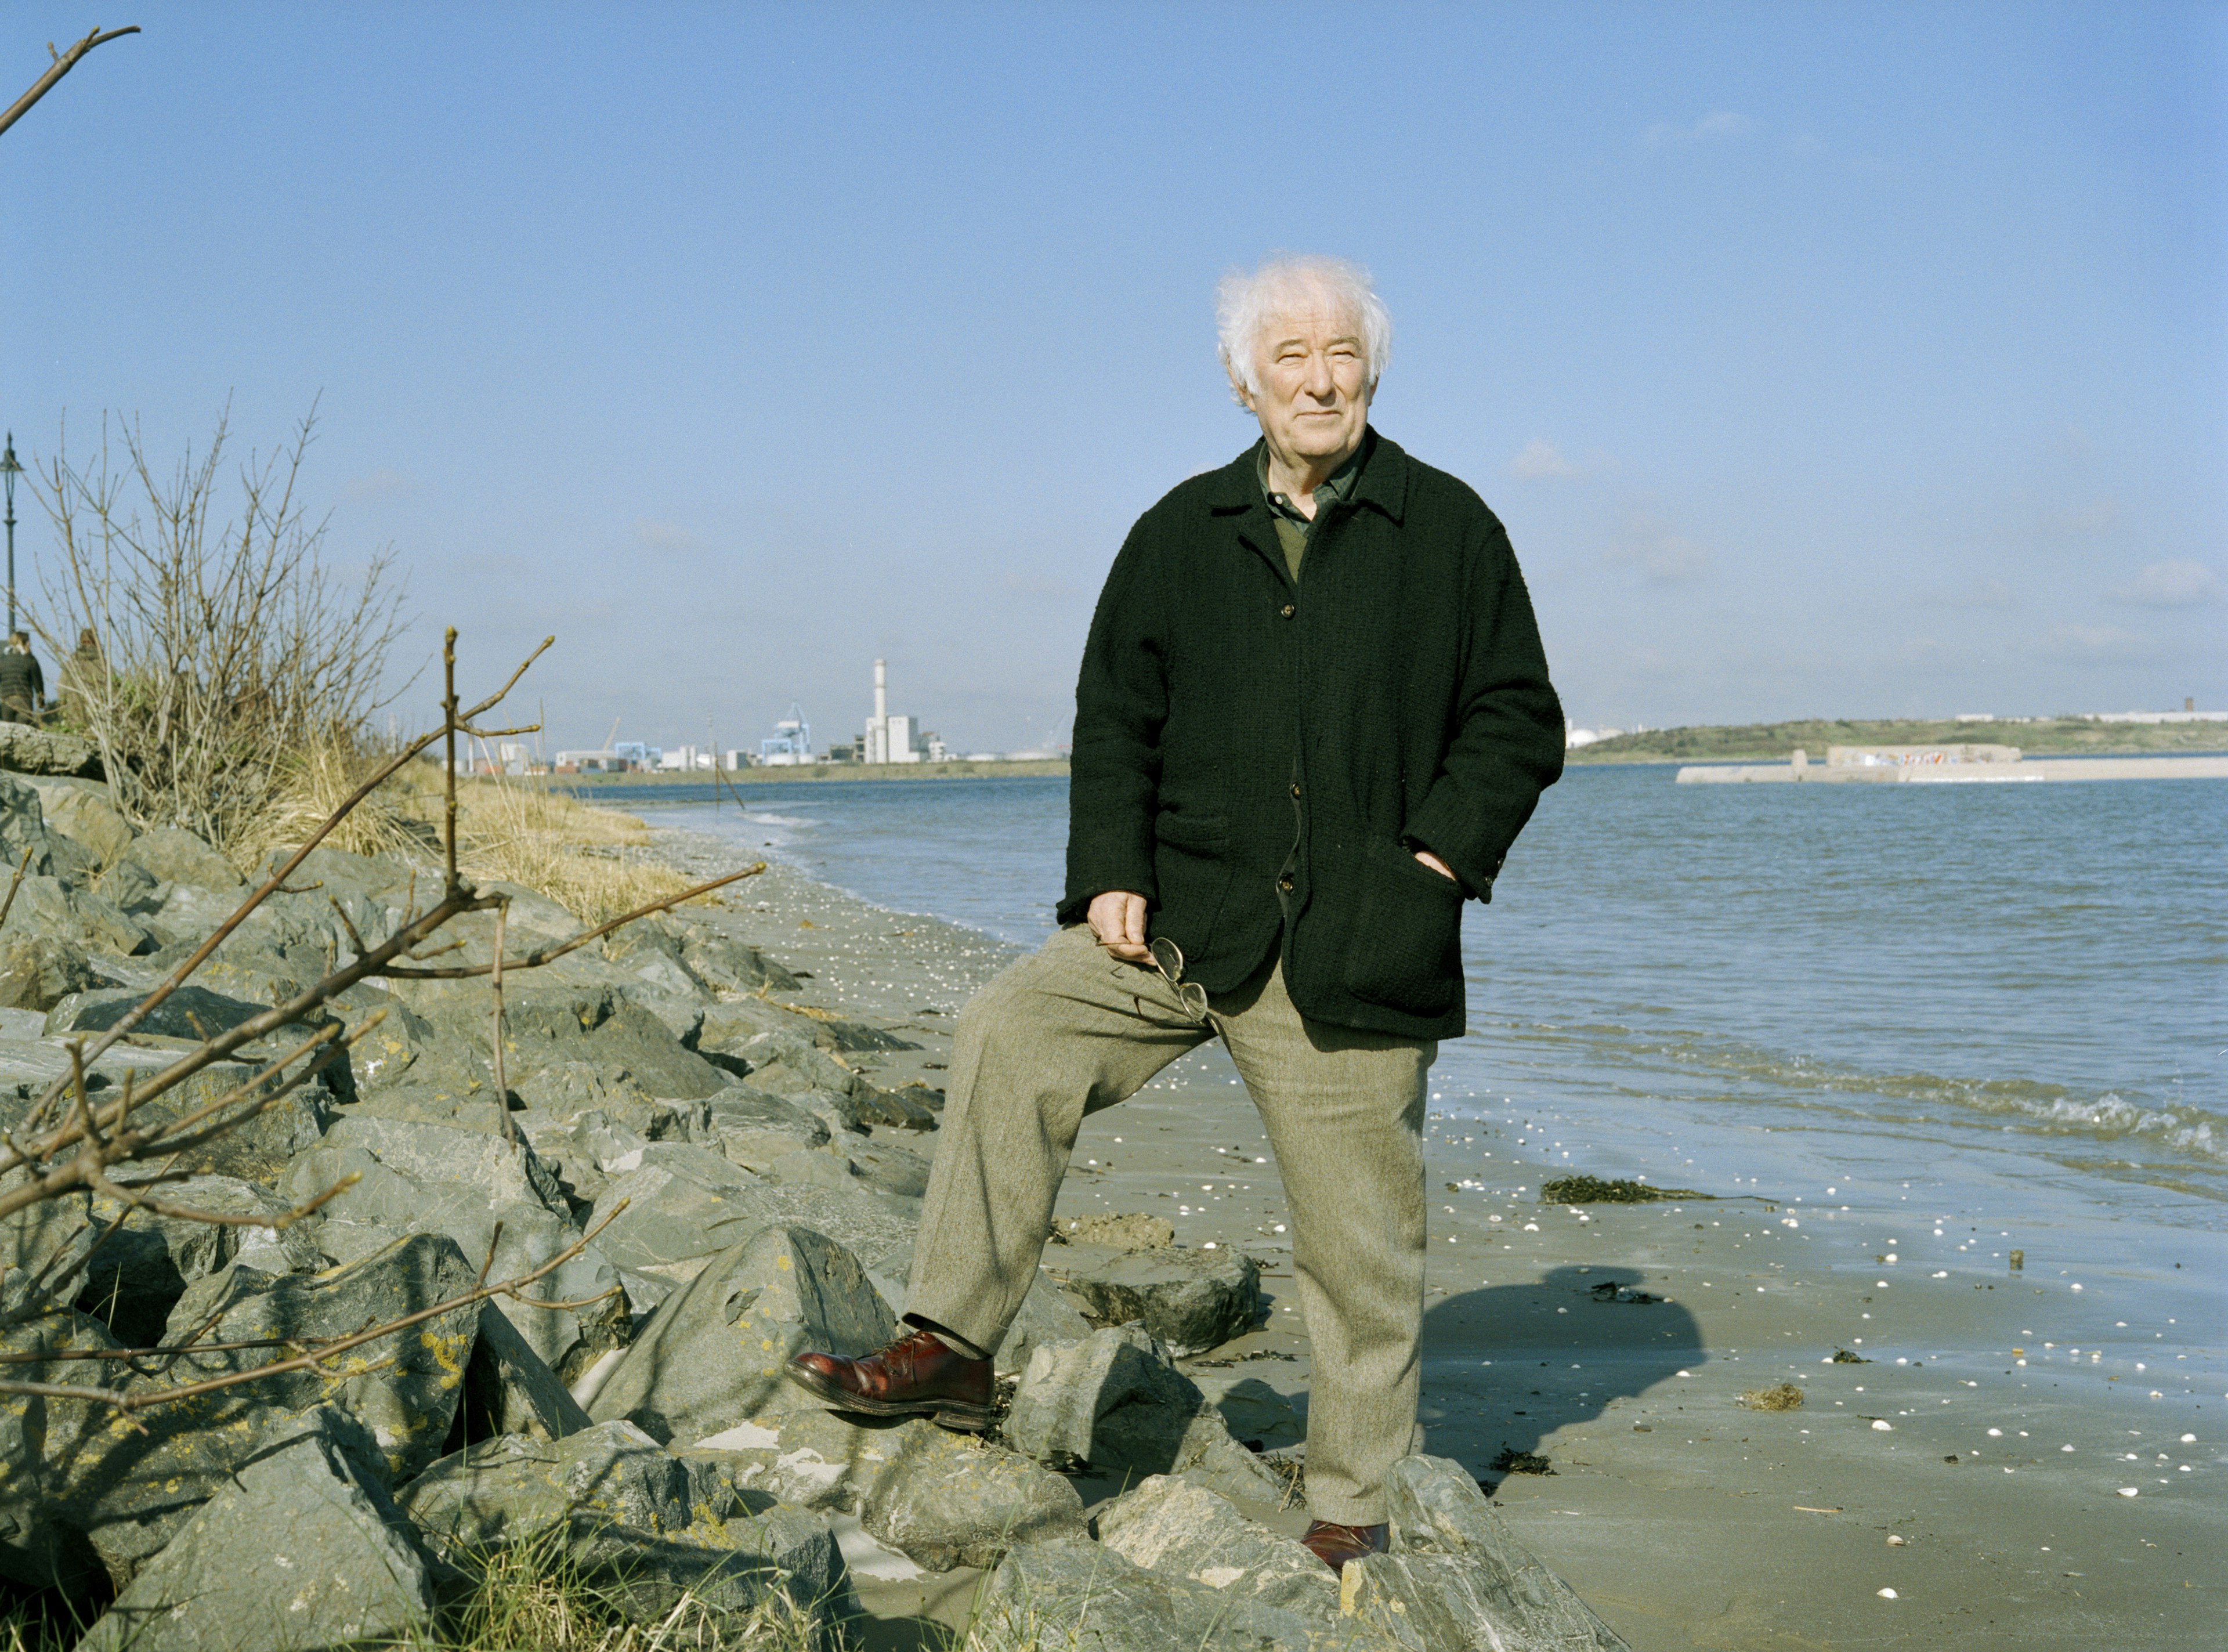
[1313,715]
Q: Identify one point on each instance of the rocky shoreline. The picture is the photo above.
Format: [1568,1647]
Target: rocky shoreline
[717,1127]
[1590,1361]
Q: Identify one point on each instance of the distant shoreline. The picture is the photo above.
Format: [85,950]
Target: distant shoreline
[1773,742]
[954,769]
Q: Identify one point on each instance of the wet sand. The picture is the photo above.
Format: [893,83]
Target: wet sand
[1685,1518]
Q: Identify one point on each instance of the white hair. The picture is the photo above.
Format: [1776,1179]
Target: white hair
[1245,304]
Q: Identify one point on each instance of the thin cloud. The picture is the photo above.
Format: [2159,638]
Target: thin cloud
[1542,461]
[1646,542]
[1716,127]
[378,483]
[2173,583]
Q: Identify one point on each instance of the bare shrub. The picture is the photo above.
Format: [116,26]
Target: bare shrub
[72,1140]
[229,649]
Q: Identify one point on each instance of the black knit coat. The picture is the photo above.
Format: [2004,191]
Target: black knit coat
[1237,731]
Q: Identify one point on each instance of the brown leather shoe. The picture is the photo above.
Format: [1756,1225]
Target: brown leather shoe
[918,1375]
[1336,1545]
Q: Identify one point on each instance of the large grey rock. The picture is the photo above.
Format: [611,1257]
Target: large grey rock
[546,1027]
[1072,1595]
[807,1459]
[889,1169]
[42,1441]
[505,1489]
[503,1174]
[509,1389]
[564,1088]
[82,810]
[26,841]
[1046,1315]
[753,1128]
[783,1058]
[799,1546]
[948,1500]
[1169,1525]
[731,965]
[135,1277]
[674,1210]
[38,971]
[496,1203]
[712,1356]
[49,906]
[404,1387]
[644,949]
[84,1490]
[1459,1580]
[190,1012]
[1115,1401]
[402,1047]
[299,1551]
[26,750]
[256,1150]
[43,1249]
[180,857]
[1191,1300]
[636,1519]
[132,889]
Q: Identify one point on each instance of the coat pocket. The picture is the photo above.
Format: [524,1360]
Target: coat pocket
[1191,866]
[1405,950]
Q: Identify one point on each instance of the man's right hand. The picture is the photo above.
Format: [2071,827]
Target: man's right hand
[1118,918]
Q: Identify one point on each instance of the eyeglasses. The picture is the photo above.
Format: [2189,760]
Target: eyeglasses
[1168,959]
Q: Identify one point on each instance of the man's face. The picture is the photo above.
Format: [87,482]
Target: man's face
[1313,399]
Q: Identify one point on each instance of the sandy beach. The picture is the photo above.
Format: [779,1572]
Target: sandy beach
[2016,1456]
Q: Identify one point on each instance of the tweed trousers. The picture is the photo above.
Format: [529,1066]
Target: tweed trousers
[1070,1031]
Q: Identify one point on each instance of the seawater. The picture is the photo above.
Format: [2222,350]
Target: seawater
[1976,1001]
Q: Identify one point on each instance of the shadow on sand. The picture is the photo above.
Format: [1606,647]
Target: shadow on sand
[1508,1365]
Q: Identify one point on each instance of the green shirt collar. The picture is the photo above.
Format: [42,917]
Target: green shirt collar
[1336,488]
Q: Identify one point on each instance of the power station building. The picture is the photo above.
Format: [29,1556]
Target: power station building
[894,739]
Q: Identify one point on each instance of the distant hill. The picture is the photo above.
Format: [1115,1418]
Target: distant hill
[1772,742]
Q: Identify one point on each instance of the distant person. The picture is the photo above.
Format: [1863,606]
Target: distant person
[1313,715]
[22,685]
[79,680]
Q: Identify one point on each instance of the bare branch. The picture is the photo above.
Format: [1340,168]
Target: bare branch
[16,883]
[62,65]
[502,1089]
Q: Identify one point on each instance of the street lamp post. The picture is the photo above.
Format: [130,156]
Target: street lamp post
[10,471]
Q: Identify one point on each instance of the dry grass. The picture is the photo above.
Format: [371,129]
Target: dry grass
[594,862]
[1785,1397]
[530,1598]
[312,785]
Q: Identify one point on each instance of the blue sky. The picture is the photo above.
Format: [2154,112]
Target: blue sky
[1843,361]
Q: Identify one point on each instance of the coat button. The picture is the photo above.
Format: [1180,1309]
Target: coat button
[1296,788]
[1285,883]
[1288,611]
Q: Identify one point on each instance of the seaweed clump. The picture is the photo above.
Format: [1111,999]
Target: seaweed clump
[1593,1190]
[1785,1397]
[1512,1460]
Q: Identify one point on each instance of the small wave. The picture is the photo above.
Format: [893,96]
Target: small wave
[778,820]
[2047,1108]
